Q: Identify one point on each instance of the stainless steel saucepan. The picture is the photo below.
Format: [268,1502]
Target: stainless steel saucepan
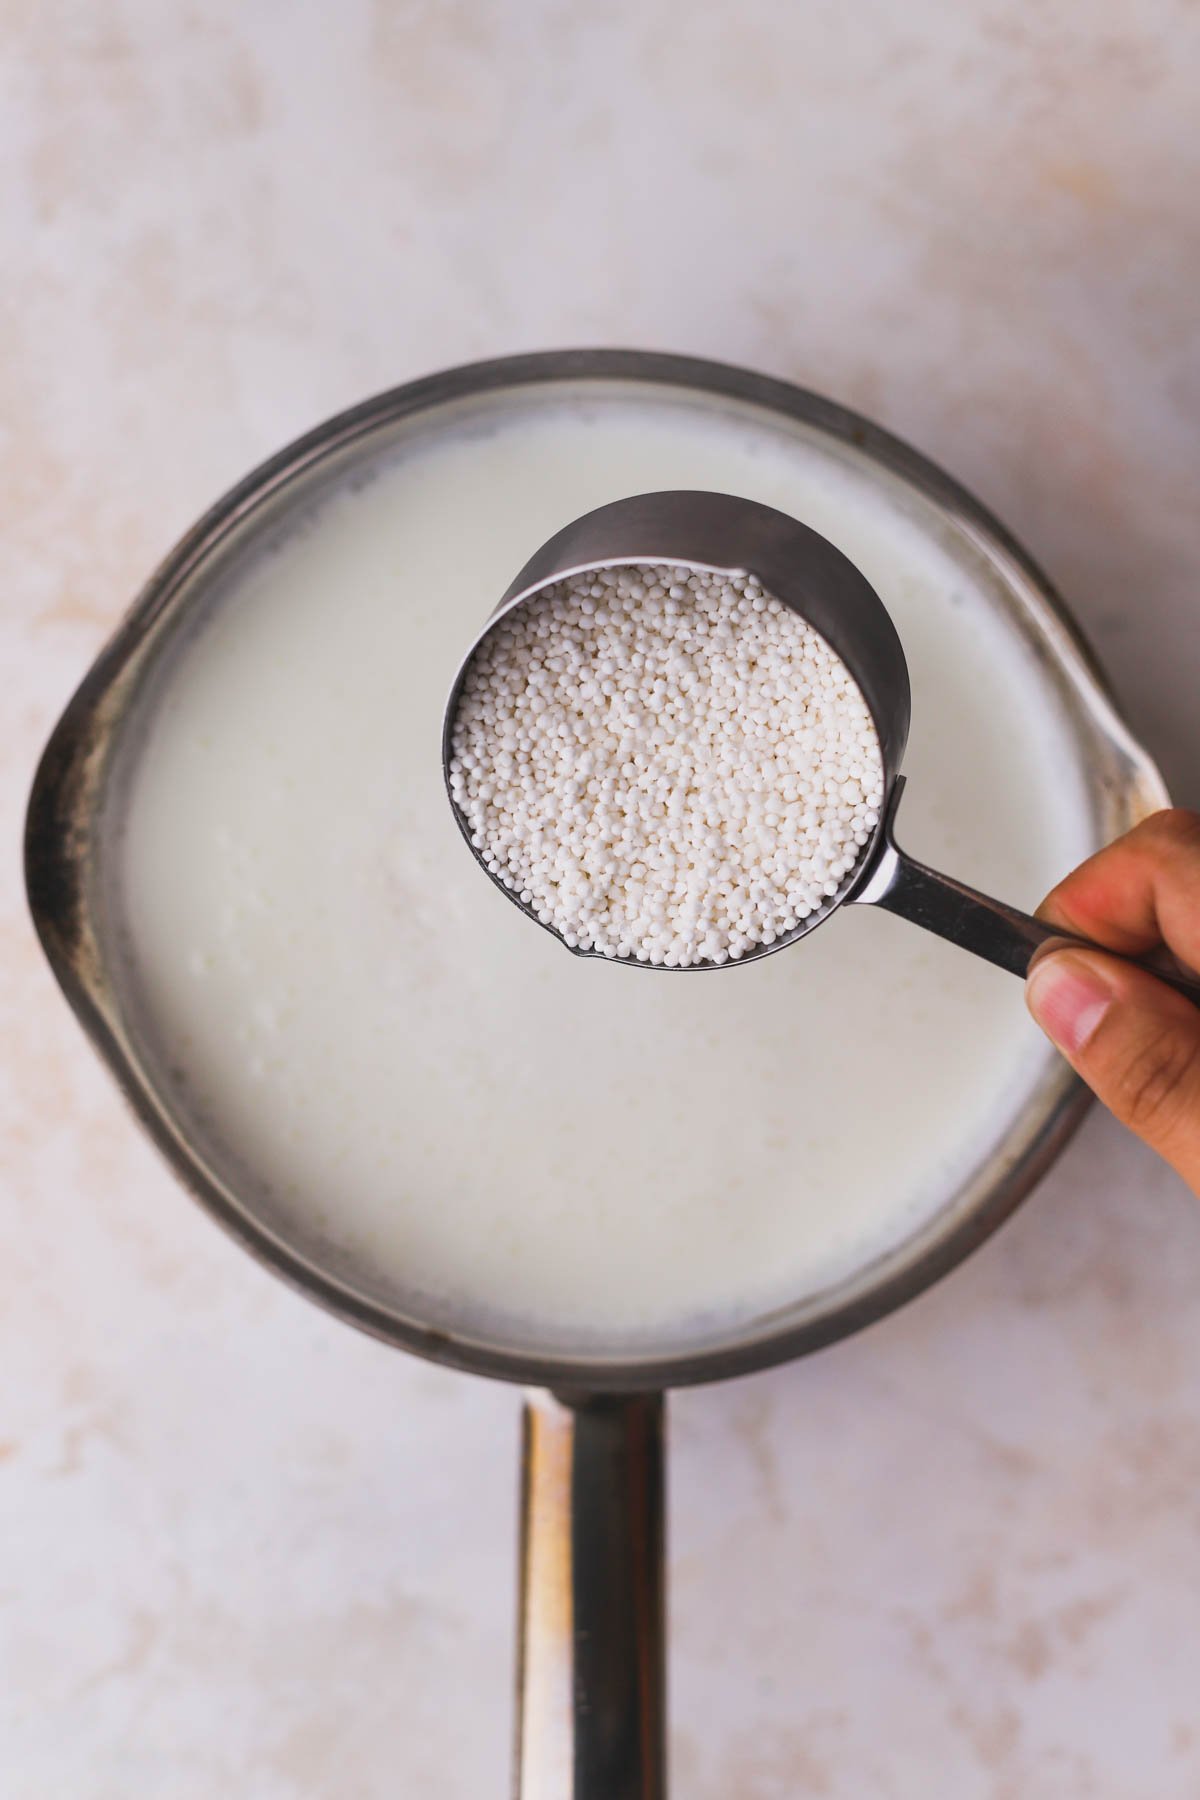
[591,1669]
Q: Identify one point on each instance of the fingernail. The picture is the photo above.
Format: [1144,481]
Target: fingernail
[1068,1000]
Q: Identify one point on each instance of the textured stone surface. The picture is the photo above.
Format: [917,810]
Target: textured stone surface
[241,1549]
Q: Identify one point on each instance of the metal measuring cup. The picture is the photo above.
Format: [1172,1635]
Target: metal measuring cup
[723,534]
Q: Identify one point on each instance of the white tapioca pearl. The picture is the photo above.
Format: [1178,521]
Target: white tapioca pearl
[684,725]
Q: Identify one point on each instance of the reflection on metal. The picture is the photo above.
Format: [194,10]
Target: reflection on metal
[591,1659]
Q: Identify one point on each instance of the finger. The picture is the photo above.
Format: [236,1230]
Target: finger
[1134,1041]
[1141,891]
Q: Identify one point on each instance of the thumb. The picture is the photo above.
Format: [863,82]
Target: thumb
[1134,1041]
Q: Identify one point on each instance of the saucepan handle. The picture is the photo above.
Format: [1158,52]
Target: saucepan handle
[591,1655]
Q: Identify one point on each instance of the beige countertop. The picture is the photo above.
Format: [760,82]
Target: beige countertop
[244,1551]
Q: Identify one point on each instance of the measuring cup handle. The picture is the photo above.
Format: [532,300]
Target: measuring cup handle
[591,1657]
[988,928]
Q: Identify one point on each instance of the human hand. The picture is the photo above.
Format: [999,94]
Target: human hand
[1133,1039]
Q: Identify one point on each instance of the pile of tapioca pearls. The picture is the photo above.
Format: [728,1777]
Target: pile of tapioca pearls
[665,766]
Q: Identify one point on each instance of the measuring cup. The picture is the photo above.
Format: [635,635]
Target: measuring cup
[590,1699]
[723,534]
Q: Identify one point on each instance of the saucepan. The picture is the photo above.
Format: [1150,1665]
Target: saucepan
[591,1666]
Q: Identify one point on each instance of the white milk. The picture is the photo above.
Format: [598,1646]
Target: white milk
[565,1153]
